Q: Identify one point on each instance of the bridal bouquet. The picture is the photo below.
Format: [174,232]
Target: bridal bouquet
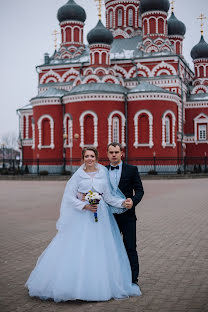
[93,198]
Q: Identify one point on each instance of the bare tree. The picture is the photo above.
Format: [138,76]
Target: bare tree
[9,139]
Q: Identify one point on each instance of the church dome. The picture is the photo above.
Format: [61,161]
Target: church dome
[71,11]
[152,5]
[100,34]
[175,27]
[200,50]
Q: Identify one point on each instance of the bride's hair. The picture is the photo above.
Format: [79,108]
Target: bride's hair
[90,148]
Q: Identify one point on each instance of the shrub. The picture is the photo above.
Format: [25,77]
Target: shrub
[43,173]
[152,172]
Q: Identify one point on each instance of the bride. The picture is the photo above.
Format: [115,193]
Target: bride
[86,260]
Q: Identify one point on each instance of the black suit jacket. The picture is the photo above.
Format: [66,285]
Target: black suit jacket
[130,185]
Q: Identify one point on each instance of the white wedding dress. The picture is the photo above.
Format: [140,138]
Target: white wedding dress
[86,260]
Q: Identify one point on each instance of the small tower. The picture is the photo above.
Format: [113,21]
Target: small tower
[176,32]
[71,17]
[123,18]
[199,54]
[154,24]
[100,40]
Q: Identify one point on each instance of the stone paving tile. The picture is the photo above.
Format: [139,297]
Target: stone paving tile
[172,231]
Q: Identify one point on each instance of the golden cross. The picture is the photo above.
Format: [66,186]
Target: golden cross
[99,5]
[202,17]
[55,33]
[172,5]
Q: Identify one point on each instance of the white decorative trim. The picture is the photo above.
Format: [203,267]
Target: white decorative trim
[81,121]
[150,117]
[164,143]
[70,72]
[93,97]
[155,97]
[51,73]
[198,87]
[199,104]
[33,135]
[123,120]
[40,146]
[164,65]
[47,101]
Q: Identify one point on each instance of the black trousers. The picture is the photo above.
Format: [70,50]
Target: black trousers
[127,226]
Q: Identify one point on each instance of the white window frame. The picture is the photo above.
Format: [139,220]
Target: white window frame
[202,134]
[110,122]
[51,146]
[130,17]
[115,130]
[200,120]
[95,121]
[120,17]
[167,130]
[171,142]
[111,19]
[136,118]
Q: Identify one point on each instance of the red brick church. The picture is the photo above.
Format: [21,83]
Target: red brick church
[130,84]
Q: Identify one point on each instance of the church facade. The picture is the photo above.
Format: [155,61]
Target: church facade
[130,84]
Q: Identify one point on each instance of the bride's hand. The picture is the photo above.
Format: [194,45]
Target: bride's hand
[92,208]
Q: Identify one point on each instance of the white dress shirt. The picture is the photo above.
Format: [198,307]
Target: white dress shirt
[115,175]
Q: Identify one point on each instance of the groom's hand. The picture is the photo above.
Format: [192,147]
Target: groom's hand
[128,203]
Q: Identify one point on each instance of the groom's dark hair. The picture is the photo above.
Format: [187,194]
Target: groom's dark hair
[114,144]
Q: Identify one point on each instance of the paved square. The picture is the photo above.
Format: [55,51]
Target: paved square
[172,230]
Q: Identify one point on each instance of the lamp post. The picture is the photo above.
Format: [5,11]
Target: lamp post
[76,137]
[65,136]
[3,145]
[154,159]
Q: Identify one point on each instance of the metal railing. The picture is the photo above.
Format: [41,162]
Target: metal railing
[147,165]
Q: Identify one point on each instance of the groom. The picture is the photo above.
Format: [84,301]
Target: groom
[126,178]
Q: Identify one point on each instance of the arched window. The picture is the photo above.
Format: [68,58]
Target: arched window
[120,17]
[143,129]
[88,126]
[143,124]
[145,29]
[152,23]
[130,17]
[116,129]
[68,34]
[24,127]
[76,35]
[160,26]
[46,132]
[88,130]
[168,129]
[111,19]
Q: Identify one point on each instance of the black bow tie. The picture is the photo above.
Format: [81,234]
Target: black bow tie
[112,168]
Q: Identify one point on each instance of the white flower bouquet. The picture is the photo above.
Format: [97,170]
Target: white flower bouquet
[93,198]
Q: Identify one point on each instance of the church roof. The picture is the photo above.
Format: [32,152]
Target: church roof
[120,49]
[197,97]
[51,92]
[147,87]
[98,88]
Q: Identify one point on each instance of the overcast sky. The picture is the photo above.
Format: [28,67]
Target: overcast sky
[26,34]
